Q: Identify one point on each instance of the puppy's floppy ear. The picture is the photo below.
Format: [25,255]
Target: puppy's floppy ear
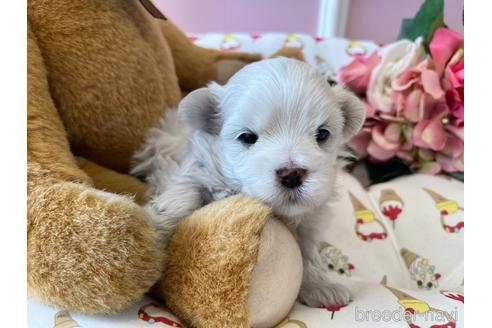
[353,111]
[199,110]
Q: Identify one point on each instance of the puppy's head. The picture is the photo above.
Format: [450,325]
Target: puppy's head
[281,128]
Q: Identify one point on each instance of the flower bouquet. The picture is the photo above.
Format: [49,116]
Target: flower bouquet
[413,91]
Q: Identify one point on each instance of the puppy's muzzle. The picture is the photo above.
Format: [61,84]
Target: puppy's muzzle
[291,177]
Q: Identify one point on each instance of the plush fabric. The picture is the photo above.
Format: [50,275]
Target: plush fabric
[277,277]
[119,183]
[231,247]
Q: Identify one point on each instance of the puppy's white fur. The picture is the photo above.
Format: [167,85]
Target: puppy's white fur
[197,158]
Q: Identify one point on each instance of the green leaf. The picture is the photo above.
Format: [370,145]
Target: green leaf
[406,24]
[429,18]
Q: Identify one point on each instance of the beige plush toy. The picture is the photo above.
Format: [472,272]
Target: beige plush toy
[100,74]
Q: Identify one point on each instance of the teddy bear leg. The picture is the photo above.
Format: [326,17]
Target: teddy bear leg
[88,250]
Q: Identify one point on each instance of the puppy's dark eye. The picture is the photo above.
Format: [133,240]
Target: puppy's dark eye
[248,138]
[322,135]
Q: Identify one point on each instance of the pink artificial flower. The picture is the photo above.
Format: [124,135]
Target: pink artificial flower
[451,158]
[458,131]
[414,113]
[396,58]
[385,141]
[429,134]
[447,50]
[356,74]
[454,83]
[455,71]
[444,44]
[417,93]
[449,164]
[379,154]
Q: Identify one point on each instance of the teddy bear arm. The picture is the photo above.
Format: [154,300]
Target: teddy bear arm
[196,66]
[87,250]
[112,181]
[47,144]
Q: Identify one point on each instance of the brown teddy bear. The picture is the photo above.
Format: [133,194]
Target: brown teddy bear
[100,74]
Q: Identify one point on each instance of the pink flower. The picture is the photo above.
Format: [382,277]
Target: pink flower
[417,93]
[454,83]
[385,141]
[458,131]
[429,146]
[356,74]
[451,158]
[429,134]
[445,43]
[396,58]
[419,97]
[415,105]
[447,50]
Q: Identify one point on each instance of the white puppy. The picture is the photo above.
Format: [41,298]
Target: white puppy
[276,131]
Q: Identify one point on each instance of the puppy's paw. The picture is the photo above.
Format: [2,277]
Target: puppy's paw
[325,295]
[164,225]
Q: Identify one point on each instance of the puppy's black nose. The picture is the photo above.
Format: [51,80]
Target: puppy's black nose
[291,177]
